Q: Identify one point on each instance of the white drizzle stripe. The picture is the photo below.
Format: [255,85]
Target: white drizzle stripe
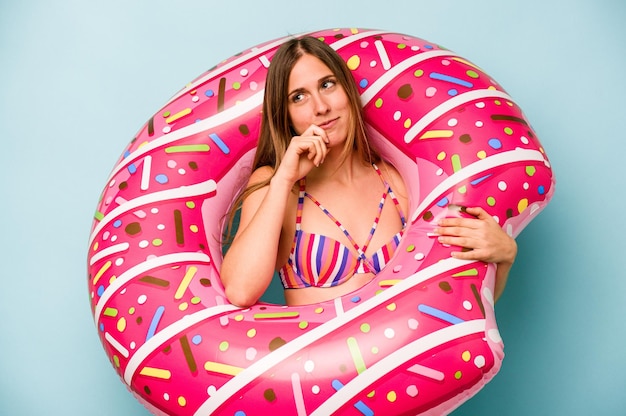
[145,173]
[109,251]
[355,38]
[384,79]
[395,360]
[338,306]
[450,105]
[168,333]
[197,189]
[116,344]
[254,53]
[382,53]
[226,116]
[298,397]
[143,267]
[257,369]
[500,159]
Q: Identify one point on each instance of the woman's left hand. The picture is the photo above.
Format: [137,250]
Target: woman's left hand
[482,238]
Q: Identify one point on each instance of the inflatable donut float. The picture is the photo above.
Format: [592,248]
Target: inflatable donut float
[420,338]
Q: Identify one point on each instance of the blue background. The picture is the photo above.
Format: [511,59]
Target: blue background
[79,78]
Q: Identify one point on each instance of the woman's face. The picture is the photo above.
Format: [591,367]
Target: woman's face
[315,97]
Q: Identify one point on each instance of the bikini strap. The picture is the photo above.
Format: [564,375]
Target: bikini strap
[392,195]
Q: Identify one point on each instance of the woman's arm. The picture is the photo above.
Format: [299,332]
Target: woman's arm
[486,240]
[249,263]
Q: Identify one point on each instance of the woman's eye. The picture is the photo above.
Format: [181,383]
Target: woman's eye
[296,98]
[329,83]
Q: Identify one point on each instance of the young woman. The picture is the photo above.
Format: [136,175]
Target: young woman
[321,207]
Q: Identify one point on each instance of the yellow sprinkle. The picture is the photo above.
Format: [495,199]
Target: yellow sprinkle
[276,315]
[193,228]
[239,318]
[95,246]
[102,270]
[222,368]
[319,310]
[391,396]
[121,324]
[436,134]
[371,394]
[182,401]
[522,205]
[178,115]
[466,62]
[391,307]
[466,356]
[481,154]
[156,373]
[353,62]
[466,273]
[191,272]
[441,156]
[407,123]
[251,333]
[388,282]
[183,306]
[116,360]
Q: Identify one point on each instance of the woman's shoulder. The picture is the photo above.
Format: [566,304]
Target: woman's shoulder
[261,174]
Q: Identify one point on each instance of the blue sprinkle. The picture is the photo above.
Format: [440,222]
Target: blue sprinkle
[197,339]
[479,180]
[132,168]
[240,413]
[209,93]
[438,313]
[336,384]
[428,46]
[220,143]
[495,143]
[363,83]
[101,326]
[541,190]
[363,408]
[453,80]
[442,202]
[452,92]
[161,178]
[126,154]
[117,223]
[356,299]
[100,290]
[158,314]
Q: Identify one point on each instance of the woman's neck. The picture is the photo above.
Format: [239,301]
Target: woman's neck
[337,169]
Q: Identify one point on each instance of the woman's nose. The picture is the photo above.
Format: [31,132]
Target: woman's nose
[321,105]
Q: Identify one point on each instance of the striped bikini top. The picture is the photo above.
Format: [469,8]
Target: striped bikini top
[316,260]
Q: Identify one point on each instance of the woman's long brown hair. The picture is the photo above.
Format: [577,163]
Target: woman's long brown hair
[276,131]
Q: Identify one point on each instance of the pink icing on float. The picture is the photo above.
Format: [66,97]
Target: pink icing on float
[420,338]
